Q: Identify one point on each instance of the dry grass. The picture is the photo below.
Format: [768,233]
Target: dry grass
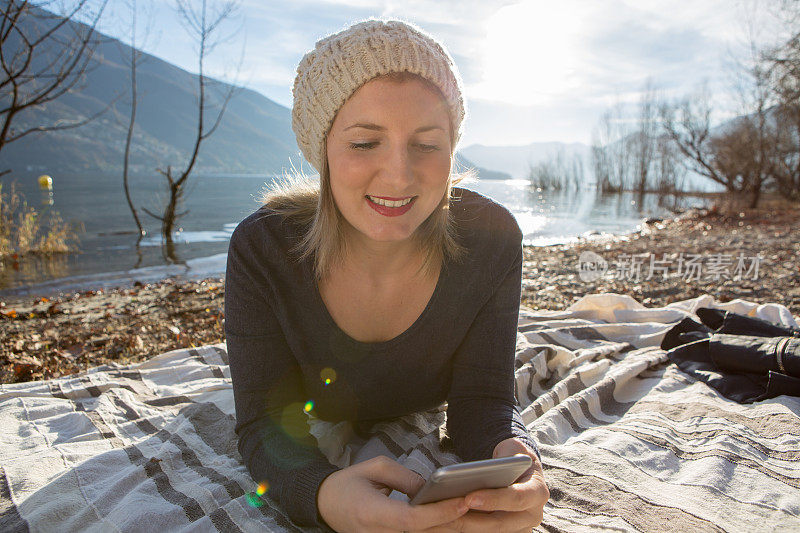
[23,230]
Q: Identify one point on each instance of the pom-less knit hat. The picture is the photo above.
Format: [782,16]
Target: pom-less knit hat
[340,63]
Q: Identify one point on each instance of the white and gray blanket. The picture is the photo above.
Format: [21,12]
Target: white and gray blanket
[628,441]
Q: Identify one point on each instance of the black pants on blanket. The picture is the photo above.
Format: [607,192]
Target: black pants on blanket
[746,359]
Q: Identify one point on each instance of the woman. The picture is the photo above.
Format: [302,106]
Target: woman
[381,292]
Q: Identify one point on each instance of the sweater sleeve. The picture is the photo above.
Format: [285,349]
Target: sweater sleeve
[273,433]
[482,409]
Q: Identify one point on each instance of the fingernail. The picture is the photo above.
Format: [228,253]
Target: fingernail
[475,502]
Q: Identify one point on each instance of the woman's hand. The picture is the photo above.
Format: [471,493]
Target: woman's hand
[356,499]
[518,507]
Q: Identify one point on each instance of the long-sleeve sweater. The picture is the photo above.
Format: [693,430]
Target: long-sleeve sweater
[289,359]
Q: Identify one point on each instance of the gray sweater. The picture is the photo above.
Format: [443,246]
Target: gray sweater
[283,343]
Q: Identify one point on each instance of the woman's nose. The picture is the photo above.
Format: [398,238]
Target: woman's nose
[399,167]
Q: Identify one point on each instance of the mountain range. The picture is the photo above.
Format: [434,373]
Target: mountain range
[254,136]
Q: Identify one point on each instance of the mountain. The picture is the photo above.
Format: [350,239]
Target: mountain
[461,163]
[516,160]
[254,136]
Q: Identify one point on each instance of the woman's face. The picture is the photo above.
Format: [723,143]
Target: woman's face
[389,142]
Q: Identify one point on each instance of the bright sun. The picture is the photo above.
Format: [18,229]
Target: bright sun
[529,55]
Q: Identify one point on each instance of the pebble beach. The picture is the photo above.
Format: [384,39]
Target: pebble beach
[750,254]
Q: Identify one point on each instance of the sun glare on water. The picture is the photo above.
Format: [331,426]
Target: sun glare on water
[530,53]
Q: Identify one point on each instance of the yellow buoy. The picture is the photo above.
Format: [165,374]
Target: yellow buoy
[45,182]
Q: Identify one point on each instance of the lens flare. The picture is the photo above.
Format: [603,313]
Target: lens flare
[328,375]
[254,500]
[294,419]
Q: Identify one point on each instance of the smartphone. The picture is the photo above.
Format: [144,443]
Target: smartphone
[460,479]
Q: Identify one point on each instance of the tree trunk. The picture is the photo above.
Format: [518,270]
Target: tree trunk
[130,137]
[754,197]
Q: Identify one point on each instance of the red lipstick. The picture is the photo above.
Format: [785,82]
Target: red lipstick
[391,211]
[390,198]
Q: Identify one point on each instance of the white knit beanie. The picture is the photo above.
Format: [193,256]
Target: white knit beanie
[340,63]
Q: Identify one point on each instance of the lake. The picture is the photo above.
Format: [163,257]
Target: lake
[96,206]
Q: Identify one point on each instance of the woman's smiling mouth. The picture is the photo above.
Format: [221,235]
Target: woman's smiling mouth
[390,202]
[390,208]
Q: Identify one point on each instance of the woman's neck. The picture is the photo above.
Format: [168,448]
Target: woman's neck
[380,261]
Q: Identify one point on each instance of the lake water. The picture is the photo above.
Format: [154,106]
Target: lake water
[96,206]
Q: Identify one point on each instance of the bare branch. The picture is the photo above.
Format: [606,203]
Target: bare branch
[204,26]
[49,55]
[152,214]
[58,126]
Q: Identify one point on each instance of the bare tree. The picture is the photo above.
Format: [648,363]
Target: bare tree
[204,27]
[600,162]
[136,56]
[785,71]
[738,154]
[757,97]
[610,151]
[733,158]
[783,64]
[619,154]
[43,56]
[668,174]
[643,141]
[558,172]
[688,125]
[784,151]
[784,61]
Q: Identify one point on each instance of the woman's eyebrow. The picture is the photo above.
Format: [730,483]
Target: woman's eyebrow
[376,127]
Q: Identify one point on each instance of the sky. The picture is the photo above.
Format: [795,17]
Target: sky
[533,70]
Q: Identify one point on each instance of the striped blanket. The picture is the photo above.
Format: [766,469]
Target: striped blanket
[628,442]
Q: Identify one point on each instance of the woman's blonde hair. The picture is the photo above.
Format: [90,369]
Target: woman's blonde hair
[310,205]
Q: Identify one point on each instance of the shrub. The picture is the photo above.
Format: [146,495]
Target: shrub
[22,231]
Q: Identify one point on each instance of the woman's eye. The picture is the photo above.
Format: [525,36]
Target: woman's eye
[362,146]
[369,145]
[428,147]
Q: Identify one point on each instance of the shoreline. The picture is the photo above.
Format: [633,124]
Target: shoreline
[194,269]
[205,266]
[64,332]
[127,279]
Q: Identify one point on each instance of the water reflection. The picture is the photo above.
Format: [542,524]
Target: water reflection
[37,267]
[97,207]
[188,237]
[553,217]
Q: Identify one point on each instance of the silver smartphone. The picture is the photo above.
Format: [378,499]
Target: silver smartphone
[460,479]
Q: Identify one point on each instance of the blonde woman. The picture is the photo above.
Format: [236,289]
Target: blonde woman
[381,291]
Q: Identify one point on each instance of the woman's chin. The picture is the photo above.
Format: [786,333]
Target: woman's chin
[398,238]
[389,235]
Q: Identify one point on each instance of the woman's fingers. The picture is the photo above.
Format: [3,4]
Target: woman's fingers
[389,472]
[383,471]
[427,515]
[516,497]
[497,521]
[404,517]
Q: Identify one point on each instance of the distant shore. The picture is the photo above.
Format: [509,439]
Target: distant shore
[45,337]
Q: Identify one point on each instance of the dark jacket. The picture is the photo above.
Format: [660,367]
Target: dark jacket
[746,359]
